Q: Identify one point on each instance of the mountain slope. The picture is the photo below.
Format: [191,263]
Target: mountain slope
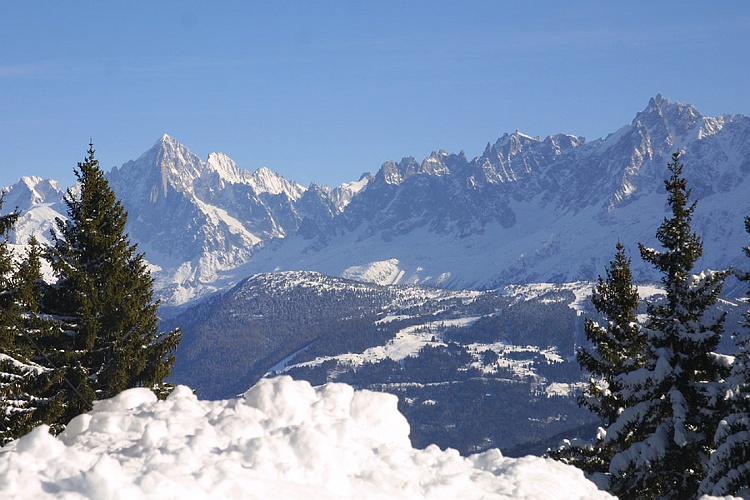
[435,348]
[236,336]
[472,369]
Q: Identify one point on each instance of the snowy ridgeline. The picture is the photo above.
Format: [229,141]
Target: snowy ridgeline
[283,439]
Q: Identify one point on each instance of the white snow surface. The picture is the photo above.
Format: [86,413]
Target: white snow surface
[407,342]
[281,439]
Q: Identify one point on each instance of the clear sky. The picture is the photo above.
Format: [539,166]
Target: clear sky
[323,91]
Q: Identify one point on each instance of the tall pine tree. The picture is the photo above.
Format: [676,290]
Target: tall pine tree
[617,347]
[728,471]
[671,405]
[104,293]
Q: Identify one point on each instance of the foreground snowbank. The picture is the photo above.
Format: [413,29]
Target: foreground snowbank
[283,439]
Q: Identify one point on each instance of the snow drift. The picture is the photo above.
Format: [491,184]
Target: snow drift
[282,439]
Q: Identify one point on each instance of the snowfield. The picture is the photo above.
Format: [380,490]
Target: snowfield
[281,439]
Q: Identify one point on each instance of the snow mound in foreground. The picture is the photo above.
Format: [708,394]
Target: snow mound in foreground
[283,439]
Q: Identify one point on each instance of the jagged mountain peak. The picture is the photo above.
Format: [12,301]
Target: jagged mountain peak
[676,117]
[39,202]
[170,164]
[168,149]
[658,101]
[512,144]
[443,163]
[167,164]
[44,187]
[657,131]
[501,161]
[564,141]
[226,168]
[31,190]
[265,180]
[665,107]
[360,183]
[167,139]
[343,195]
[395,173]
[177,163]
[438,163]
[30,181]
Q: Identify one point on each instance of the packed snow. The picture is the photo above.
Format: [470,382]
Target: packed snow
[281,439]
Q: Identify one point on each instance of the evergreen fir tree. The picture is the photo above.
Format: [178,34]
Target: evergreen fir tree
[13,361]
[6,260]
[671,404]
[22,379]
[41,333]
[616,348]
[728,471]
[104,293]
[28,276]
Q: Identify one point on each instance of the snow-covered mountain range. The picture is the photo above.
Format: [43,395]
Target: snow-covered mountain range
[526,210]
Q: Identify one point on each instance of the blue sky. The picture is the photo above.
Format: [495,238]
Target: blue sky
[323,91]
